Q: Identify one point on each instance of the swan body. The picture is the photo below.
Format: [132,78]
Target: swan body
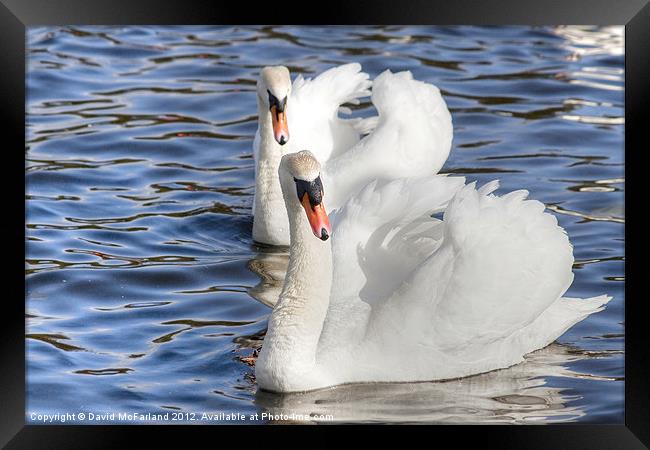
[411,136]
[396,295]
[482,396]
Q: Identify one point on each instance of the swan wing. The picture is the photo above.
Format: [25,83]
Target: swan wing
[411,137]
[415,298]
[503,262]
[314,106]
[378,237]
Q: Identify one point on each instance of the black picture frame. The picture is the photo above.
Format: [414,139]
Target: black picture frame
[16,15]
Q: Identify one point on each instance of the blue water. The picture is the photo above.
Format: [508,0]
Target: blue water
[144,289]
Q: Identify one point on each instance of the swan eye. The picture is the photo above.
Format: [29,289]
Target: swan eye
[313,189]
[273,101]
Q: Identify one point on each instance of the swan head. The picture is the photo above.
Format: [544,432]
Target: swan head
[302,186]
[273,89]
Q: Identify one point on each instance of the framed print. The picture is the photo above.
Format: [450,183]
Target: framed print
[411,215]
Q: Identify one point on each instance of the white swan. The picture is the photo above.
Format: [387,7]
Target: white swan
[410,137]
[397,295]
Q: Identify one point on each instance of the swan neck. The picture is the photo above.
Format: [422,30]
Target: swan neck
[269,215]
[297,321]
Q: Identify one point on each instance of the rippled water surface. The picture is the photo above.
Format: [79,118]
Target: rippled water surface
[144,289]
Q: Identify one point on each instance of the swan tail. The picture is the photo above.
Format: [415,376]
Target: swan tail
[584,307]
[555,321]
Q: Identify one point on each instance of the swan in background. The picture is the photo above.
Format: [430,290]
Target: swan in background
[290,116]
[411,136]
[414,298]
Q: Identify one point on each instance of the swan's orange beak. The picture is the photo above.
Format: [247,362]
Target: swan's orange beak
[320,223]
[280,126]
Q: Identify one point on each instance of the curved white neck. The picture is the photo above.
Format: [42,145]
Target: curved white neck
[270,222]
[297,320]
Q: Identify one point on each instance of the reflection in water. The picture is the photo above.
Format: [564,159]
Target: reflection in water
[103,372]
[519,394]
[54,339]
[271,267]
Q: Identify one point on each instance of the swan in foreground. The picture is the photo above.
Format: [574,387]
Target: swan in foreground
[411,136]
[397,295]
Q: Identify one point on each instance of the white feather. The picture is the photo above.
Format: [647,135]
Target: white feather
[413,298]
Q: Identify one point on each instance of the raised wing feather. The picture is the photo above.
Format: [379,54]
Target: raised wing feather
[503,261]
[313,110]
[419,299]
[379,236]
[411,137]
